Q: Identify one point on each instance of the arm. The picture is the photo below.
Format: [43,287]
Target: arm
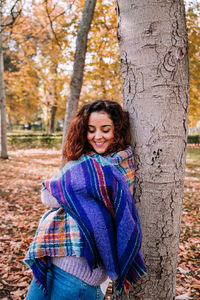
[48,199]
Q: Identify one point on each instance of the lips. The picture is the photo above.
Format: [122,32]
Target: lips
[98,144]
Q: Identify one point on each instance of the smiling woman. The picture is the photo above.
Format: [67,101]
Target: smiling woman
[93,231]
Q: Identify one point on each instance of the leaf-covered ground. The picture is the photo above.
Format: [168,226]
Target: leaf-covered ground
[21,209]
[188,275]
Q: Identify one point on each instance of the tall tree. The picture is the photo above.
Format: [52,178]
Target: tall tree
[193,27]
[3,141]
[51,57]
[154,65]
[79,63]
[10,19]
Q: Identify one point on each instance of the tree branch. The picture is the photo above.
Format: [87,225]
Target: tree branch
[51,23]
[13,15]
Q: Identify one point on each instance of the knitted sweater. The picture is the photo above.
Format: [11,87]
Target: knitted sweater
[76,266]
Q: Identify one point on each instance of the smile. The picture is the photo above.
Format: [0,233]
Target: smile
[99,144]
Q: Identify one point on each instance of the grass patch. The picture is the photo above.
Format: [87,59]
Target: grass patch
[193,162]
[193,157]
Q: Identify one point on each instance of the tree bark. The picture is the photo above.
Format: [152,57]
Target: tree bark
[3,136]
[154,65]
[79,63]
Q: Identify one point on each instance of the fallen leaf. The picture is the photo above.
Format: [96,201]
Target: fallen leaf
[183,297]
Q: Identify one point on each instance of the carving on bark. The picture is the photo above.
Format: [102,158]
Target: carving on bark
[132,80]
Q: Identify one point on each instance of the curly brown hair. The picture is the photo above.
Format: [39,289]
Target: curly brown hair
[76,142]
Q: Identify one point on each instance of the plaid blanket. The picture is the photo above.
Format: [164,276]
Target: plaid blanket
[95,192]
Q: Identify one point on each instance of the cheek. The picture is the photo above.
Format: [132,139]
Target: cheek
[111,136]
[89,136]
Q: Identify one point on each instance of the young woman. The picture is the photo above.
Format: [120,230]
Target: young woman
[93,230]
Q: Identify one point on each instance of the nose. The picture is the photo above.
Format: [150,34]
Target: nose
[98,134]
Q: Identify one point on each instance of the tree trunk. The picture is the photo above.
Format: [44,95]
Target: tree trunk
[52,119]
[3,137]
[10,122]
[154,65]
[79,63]
[55,96]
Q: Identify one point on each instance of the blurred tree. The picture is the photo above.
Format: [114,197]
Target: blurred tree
[3,140]
[79,63]
[51,59]
[21,78]
[9,12]
[193,26]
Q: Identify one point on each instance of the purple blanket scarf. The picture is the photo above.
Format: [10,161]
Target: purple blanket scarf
[96,194]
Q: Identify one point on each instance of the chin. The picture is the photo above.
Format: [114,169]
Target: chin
[100,151]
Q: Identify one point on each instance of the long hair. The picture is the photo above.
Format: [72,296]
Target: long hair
[76,142]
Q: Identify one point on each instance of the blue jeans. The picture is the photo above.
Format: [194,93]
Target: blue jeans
[64,286]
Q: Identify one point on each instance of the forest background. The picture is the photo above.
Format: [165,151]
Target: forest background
[38,48]
[38,58]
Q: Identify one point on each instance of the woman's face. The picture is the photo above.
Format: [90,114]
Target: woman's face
[100,132]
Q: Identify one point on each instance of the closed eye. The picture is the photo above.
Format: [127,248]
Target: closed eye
[91,130]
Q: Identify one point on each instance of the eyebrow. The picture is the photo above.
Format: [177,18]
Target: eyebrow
[102,126]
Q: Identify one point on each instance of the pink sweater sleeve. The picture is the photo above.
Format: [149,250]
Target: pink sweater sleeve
[48,199]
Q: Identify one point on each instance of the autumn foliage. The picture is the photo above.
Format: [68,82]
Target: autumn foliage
[39,52]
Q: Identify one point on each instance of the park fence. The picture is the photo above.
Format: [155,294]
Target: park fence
[34,140]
